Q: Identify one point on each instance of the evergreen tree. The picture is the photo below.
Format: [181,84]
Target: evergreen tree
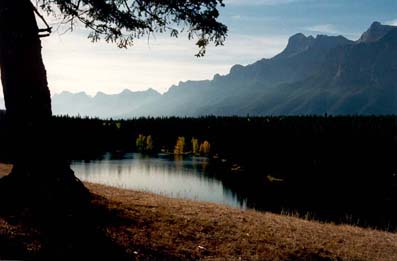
[24,78]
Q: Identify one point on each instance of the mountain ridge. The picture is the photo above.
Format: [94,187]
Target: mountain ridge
[312,75]
[101,104]
[375,32]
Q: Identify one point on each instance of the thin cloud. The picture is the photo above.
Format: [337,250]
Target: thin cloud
[323,28]
[245,18]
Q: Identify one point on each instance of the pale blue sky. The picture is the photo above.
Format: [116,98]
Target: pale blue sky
[258,29]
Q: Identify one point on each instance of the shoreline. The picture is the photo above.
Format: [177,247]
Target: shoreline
[210,230]
[158,226]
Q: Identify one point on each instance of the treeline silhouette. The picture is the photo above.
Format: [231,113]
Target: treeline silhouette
[338,168]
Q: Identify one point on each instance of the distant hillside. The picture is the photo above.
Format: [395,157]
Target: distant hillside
[355,79]
[235,93]
[375,32]
[102,105]
[313,75]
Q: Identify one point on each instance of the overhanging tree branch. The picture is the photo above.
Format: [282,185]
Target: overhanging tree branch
[123,21]
[46,31]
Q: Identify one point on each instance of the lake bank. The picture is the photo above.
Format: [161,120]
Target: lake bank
[361,202]
[157,226]
[206,230]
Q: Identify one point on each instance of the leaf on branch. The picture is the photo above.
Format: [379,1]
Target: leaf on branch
[123,21]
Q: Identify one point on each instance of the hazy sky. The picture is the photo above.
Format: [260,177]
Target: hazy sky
[258,29]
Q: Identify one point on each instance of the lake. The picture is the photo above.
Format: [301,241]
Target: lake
[195,178]
[180,177]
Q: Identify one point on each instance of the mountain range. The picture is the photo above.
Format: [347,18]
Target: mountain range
[312,75]
[102,105]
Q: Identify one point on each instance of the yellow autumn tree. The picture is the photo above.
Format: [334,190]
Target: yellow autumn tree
[140,142]
[195,146]
[149,143]
[205,148]
[180,145]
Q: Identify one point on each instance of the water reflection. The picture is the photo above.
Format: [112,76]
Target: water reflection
[181,176]
[195,178]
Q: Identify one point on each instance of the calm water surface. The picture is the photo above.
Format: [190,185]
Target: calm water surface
[178,177]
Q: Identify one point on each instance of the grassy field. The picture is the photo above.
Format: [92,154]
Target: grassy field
[150,226]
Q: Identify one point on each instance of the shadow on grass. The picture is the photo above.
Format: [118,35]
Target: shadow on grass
[56,233]
[51,221]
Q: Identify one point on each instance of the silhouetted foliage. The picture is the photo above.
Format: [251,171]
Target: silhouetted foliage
[123,21]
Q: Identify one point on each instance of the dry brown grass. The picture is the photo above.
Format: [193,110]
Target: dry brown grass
[187,229]
[149,225]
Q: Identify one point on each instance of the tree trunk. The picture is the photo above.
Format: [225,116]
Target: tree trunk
[27,98]
[24,78]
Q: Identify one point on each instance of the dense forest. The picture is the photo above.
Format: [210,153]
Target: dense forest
[342,169]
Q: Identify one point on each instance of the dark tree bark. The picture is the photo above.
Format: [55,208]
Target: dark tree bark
[28,102]
[24,78]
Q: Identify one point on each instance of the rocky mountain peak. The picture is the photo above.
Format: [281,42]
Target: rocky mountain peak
[297,44]
[375,32]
